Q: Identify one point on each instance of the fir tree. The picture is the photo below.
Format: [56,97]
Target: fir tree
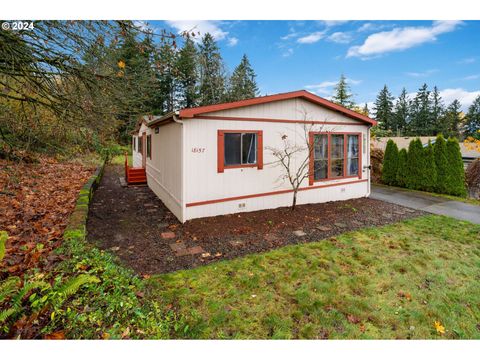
[212,74]
[456,172]
[390,163]
[401,114]
[167,77]
[416,165]
[429,179]
[437,113]
[440,152]
[472,119]
[187,75]
[402,168]
[242,82]
[342,95]
[450,122]
[383,109]
[421,109]
[365,110]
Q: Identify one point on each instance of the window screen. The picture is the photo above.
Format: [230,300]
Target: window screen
[240,149]
[320,154]
[352,155]
[337,156]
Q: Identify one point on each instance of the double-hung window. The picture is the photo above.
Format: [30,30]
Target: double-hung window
[334,156]
[239,149]
[149,146]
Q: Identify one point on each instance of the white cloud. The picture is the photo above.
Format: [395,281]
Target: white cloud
[470,60]
[326,87]
[202,26]
[290,35]
[472,77]
[400,39]
[340,37]
[287,52]
[422,74]
[232,41]
[311,38]
[331,23]
[465,97]
[143,25]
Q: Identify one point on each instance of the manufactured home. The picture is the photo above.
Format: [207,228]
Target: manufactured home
[220,159]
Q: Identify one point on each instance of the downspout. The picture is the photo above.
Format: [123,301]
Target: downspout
[182,159]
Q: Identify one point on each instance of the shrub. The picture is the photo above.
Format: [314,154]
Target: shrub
[429,179]
[402,168]
[416,165]
[390,163]
[456,173]
[440,152]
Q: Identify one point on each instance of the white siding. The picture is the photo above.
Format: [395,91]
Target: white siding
[164,170]
[204,183]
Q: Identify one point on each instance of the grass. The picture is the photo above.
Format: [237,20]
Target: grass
[120,160]
[467,200]
[383,283]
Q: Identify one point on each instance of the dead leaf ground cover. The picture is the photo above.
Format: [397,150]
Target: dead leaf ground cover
[35,202]
[415,279]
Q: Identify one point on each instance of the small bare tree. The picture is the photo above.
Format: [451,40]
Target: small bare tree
[294,158]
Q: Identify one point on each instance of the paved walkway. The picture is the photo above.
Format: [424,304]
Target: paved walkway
[435,205]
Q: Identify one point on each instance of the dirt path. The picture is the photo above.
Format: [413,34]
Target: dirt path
[134,224]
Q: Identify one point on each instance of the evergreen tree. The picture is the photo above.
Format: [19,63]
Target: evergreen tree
[416,165]
[421,110]
[450,121]
[429,180]
[440,152]
[401,114]
[167,77]
[383,109]
[456,172]
[365,110]
[402,168]
[212,74]
[438,110]
[242,82]
[472,119]
[342,95]
[187,75]
[390,164]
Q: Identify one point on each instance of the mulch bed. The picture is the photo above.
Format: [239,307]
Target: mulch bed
[134,224]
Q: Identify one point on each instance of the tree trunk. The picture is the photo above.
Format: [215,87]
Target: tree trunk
[294,199]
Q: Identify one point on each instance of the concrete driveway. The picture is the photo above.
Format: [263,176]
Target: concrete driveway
[431,204]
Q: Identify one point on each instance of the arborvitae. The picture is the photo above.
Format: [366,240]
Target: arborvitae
[402,168]
[187,75]
[342,94]
[383,110]
[416,165]
[401,114]
[429,180]
[212,73]
[472,119]
[456,172]
[390,163]
[440,152]
[242,82]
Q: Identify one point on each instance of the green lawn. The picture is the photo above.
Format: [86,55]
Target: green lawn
[388,282]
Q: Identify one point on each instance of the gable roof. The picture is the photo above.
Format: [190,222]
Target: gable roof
[197,111]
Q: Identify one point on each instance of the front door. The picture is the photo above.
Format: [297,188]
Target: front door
[144,150]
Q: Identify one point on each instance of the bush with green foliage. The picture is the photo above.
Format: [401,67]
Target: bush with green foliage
[456,173]
[402,168]
[416,165]
[429,179]
[440,152]
[390,163]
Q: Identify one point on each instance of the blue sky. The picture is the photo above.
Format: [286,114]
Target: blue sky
[292,55]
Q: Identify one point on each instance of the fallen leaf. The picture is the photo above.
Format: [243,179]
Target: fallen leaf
[353,319]
[439,327]
[57,335]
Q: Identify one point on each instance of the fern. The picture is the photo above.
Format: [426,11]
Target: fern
[8,287]
[3,241]
[72,285]
[5,314]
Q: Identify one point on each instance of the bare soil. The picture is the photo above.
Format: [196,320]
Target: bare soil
[130,221]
